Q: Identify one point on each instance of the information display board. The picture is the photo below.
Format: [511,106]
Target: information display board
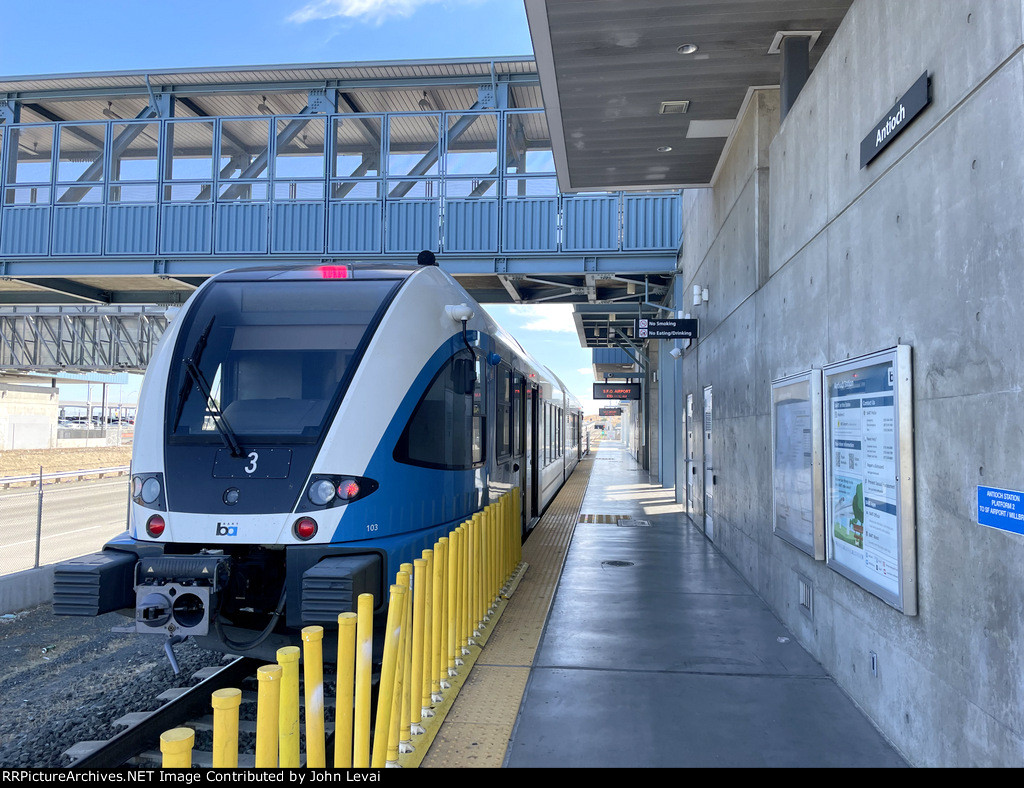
[616,391]
[798,484]
[869,475]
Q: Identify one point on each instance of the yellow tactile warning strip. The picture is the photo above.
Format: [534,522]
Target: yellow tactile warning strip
[476,731]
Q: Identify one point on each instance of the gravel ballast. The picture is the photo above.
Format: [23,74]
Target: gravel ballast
[66,679]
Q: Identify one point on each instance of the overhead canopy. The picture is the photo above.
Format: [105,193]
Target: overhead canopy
[606,68]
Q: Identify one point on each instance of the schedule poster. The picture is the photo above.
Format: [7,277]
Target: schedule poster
[797,479]
[869,475]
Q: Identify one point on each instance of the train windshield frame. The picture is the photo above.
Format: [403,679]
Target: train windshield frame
[275,357]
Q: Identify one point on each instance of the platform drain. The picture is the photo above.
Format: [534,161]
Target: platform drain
[609,519]
[628,523]
[617,563]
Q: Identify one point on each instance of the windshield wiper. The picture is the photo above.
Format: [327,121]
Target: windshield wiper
[193,375]
[213,407]
[186,385]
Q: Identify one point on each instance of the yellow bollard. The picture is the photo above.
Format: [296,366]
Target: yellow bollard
[474,575]
[400,720]
[268,711]
[344,690]
[313,675]
[452,611]
[439,666]
[416,667]
[364,674]
[176,746]
[426,658]
[225,728]
[288,722]
[388,670]
[461,592]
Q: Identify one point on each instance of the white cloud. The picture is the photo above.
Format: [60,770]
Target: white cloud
[586,370]
[375,11]
[550,317]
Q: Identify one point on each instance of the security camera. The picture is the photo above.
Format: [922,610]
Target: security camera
[675,352]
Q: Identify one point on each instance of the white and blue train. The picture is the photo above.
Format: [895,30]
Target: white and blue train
[302,432]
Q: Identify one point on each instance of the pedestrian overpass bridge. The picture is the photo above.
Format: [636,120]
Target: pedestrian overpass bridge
[132,188]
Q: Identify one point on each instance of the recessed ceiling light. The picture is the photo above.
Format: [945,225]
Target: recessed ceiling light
[664,149]
[674,108]
[687,49]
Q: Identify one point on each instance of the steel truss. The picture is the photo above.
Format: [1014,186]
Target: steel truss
[79,338]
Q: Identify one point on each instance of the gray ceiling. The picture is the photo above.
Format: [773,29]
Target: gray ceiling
[606,67]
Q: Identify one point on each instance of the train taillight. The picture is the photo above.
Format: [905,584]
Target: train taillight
[304,528]
[155,526]
[348,489]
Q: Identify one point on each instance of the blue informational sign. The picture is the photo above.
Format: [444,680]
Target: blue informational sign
[1002,509]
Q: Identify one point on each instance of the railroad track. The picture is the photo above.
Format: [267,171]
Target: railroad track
[139,743]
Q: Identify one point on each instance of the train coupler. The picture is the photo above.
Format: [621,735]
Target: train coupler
[177,595]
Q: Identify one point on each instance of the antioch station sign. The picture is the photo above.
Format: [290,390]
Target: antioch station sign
[896,119]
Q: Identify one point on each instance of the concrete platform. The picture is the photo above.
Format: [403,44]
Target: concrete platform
[656,653]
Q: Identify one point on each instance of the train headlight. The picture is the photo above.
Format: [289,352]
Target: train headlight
[321,492]
[329,491]
[150,490]
[304,528]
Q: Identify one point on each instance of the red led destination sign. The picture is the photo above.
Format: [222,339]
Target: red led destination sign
[616,391]
[609,411]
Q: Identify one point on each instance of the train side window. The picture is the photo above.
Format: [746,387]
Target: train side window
[502,412]
[517,415]
[446,430]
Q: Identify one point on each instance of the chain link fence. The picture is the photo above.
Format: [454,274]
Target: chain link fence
[59,519]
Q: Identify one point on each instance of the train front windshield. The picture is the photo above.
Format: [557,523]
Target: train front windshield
[270,359]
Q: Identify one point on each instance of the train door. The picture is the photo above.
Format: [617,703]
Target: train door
[709,469]
[520,467]
[691,466]
[534,461]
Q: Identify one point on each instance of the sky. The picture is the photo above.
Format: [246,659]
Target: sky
[72,36]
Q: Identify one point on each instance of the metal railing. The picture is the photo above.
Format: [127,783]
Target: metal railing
[44,522]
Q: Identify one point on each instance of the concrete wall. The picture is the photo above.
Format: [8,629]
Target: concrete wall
[811,260]
[28,417]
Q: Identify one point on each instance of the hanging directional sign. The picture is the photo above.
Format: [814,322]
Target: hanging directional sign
[616,391]
[665,329]
[609,411]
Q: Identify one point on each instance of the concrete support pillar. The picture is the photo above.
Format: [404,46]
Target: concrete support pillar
[796,68]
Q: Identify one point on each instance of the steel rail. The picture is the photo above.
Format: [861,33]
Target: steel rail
[145,735]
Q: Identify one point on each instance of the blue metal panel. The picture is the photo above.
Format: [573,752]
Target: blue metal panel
[131,229]
[354,227]
[77,229]
[298,227]
[651,221]
[530,224]
[591,223]
[186,229]
[610,355]
[412,225]
[471,225]
[241,227]
[26,230]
